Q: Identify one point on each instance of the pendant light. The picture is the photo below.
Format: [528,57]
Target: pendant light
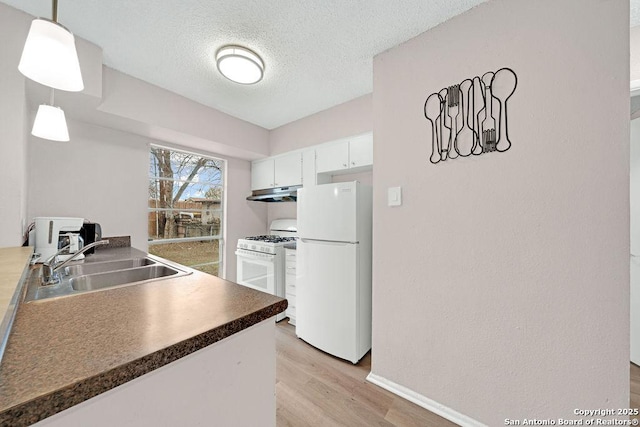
[240,64]
[50,123]
[49,56]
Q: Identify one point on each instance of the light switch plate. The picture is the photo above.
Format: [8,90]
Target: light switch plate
[394,196]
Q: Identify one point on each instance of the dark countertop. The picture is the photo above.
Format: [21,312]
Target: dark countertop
[66,350]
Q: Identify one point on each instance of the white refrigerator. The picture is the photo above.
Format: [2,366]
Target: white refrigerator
[333,271]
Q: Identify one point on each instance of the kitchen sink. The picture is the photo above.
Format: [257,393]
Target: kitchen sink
[102,267]
[97,276]
[92,282]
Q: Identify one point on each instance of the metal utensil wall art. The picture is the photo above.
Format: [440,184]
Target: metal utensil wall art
[470,118]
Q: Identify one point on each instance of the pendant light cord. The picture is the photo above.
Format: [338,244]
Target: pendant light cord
[55,10]
[51,97]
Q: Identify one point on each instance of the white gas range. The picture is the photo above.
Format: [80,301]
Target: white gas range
[260,259]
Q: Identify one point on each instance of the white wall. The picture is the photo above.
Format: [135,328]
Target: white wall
[244,218]
[501,286]
[347,119]
[13,145]
[100,175]
[174,118]
[634,201]
[634,53]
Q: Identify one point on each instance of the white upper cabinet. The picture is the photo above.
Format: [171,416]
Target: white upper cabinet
[288,170]
[332,156]
[350,153]
[309,174]
[262,174]
[280,171]
[314,165]
[361,151]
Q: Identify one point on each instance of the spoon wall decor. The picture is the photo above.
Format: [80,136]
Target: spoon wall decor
[432,111]
[461,114]
[504,83]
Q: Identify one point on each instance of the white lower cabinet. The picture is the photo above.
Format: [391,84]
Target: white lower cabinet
[290,284]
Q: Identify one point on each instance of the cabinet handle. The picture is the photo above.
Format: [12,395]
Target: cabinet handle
[344,164]
[291,268]
[353,163]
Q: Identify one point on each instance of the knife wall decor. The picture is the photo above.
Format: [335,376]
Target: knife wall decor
[466,121]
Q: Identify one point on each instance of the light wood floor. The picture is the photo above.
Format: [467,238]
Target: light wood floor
[316,389]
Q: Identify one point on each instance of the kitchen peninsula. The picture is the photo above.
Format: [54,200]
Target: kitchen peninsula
[188,350]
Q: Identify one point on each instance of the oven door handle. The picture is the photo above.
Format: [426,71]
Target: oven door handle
[256,256]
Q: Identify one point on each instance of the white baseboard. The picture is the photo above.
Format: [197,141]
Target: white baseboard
[425,402]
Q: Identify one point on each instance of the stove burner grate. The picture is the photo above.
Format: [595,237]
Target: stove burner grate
[271,238]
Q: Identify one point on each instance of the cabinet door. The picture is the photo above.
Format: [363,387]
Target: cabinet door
[262,174]
[309,168]
[361,151]
[332,157]
[288,170]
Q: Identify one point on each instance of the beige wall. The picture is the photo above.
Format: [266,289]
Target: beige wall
[244,218]
[351,118]
[13,144]
[634,204]
[501,286]
[84,178]
[634,49]
[174,118]
[101,174]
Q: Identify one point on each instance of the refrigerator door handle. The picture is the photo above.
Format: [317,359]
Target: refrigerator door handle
[327,242]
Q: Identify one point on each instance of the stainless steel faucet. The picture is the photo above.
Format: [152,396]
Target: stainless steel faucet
[50,267]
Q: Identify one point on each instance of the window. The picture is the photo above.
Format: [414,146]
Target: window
[185,208]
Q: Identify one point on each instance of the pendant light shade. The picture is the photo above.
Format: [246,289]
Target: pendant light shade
[240,64]
[50,58]
[50,123]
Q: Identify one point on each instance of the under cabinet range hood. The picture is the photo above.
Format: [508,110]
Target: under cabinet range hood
[279,194]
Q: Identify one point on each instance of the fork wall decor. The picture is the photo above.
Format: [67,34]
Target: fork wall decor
[470,118]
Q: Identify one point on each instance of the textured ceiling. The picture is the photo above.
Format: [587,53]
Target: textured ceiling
[318,53]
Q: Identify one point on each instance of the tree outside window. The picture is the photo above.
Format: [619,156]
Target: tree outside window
[185,208]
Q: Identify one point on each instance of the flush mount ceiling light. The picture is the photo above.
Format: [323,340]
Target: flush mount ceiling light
[49,56]
[240,64]
[50,123]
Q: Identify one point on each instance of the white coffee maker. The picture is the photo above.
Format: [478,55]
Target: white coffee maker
[48,232]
